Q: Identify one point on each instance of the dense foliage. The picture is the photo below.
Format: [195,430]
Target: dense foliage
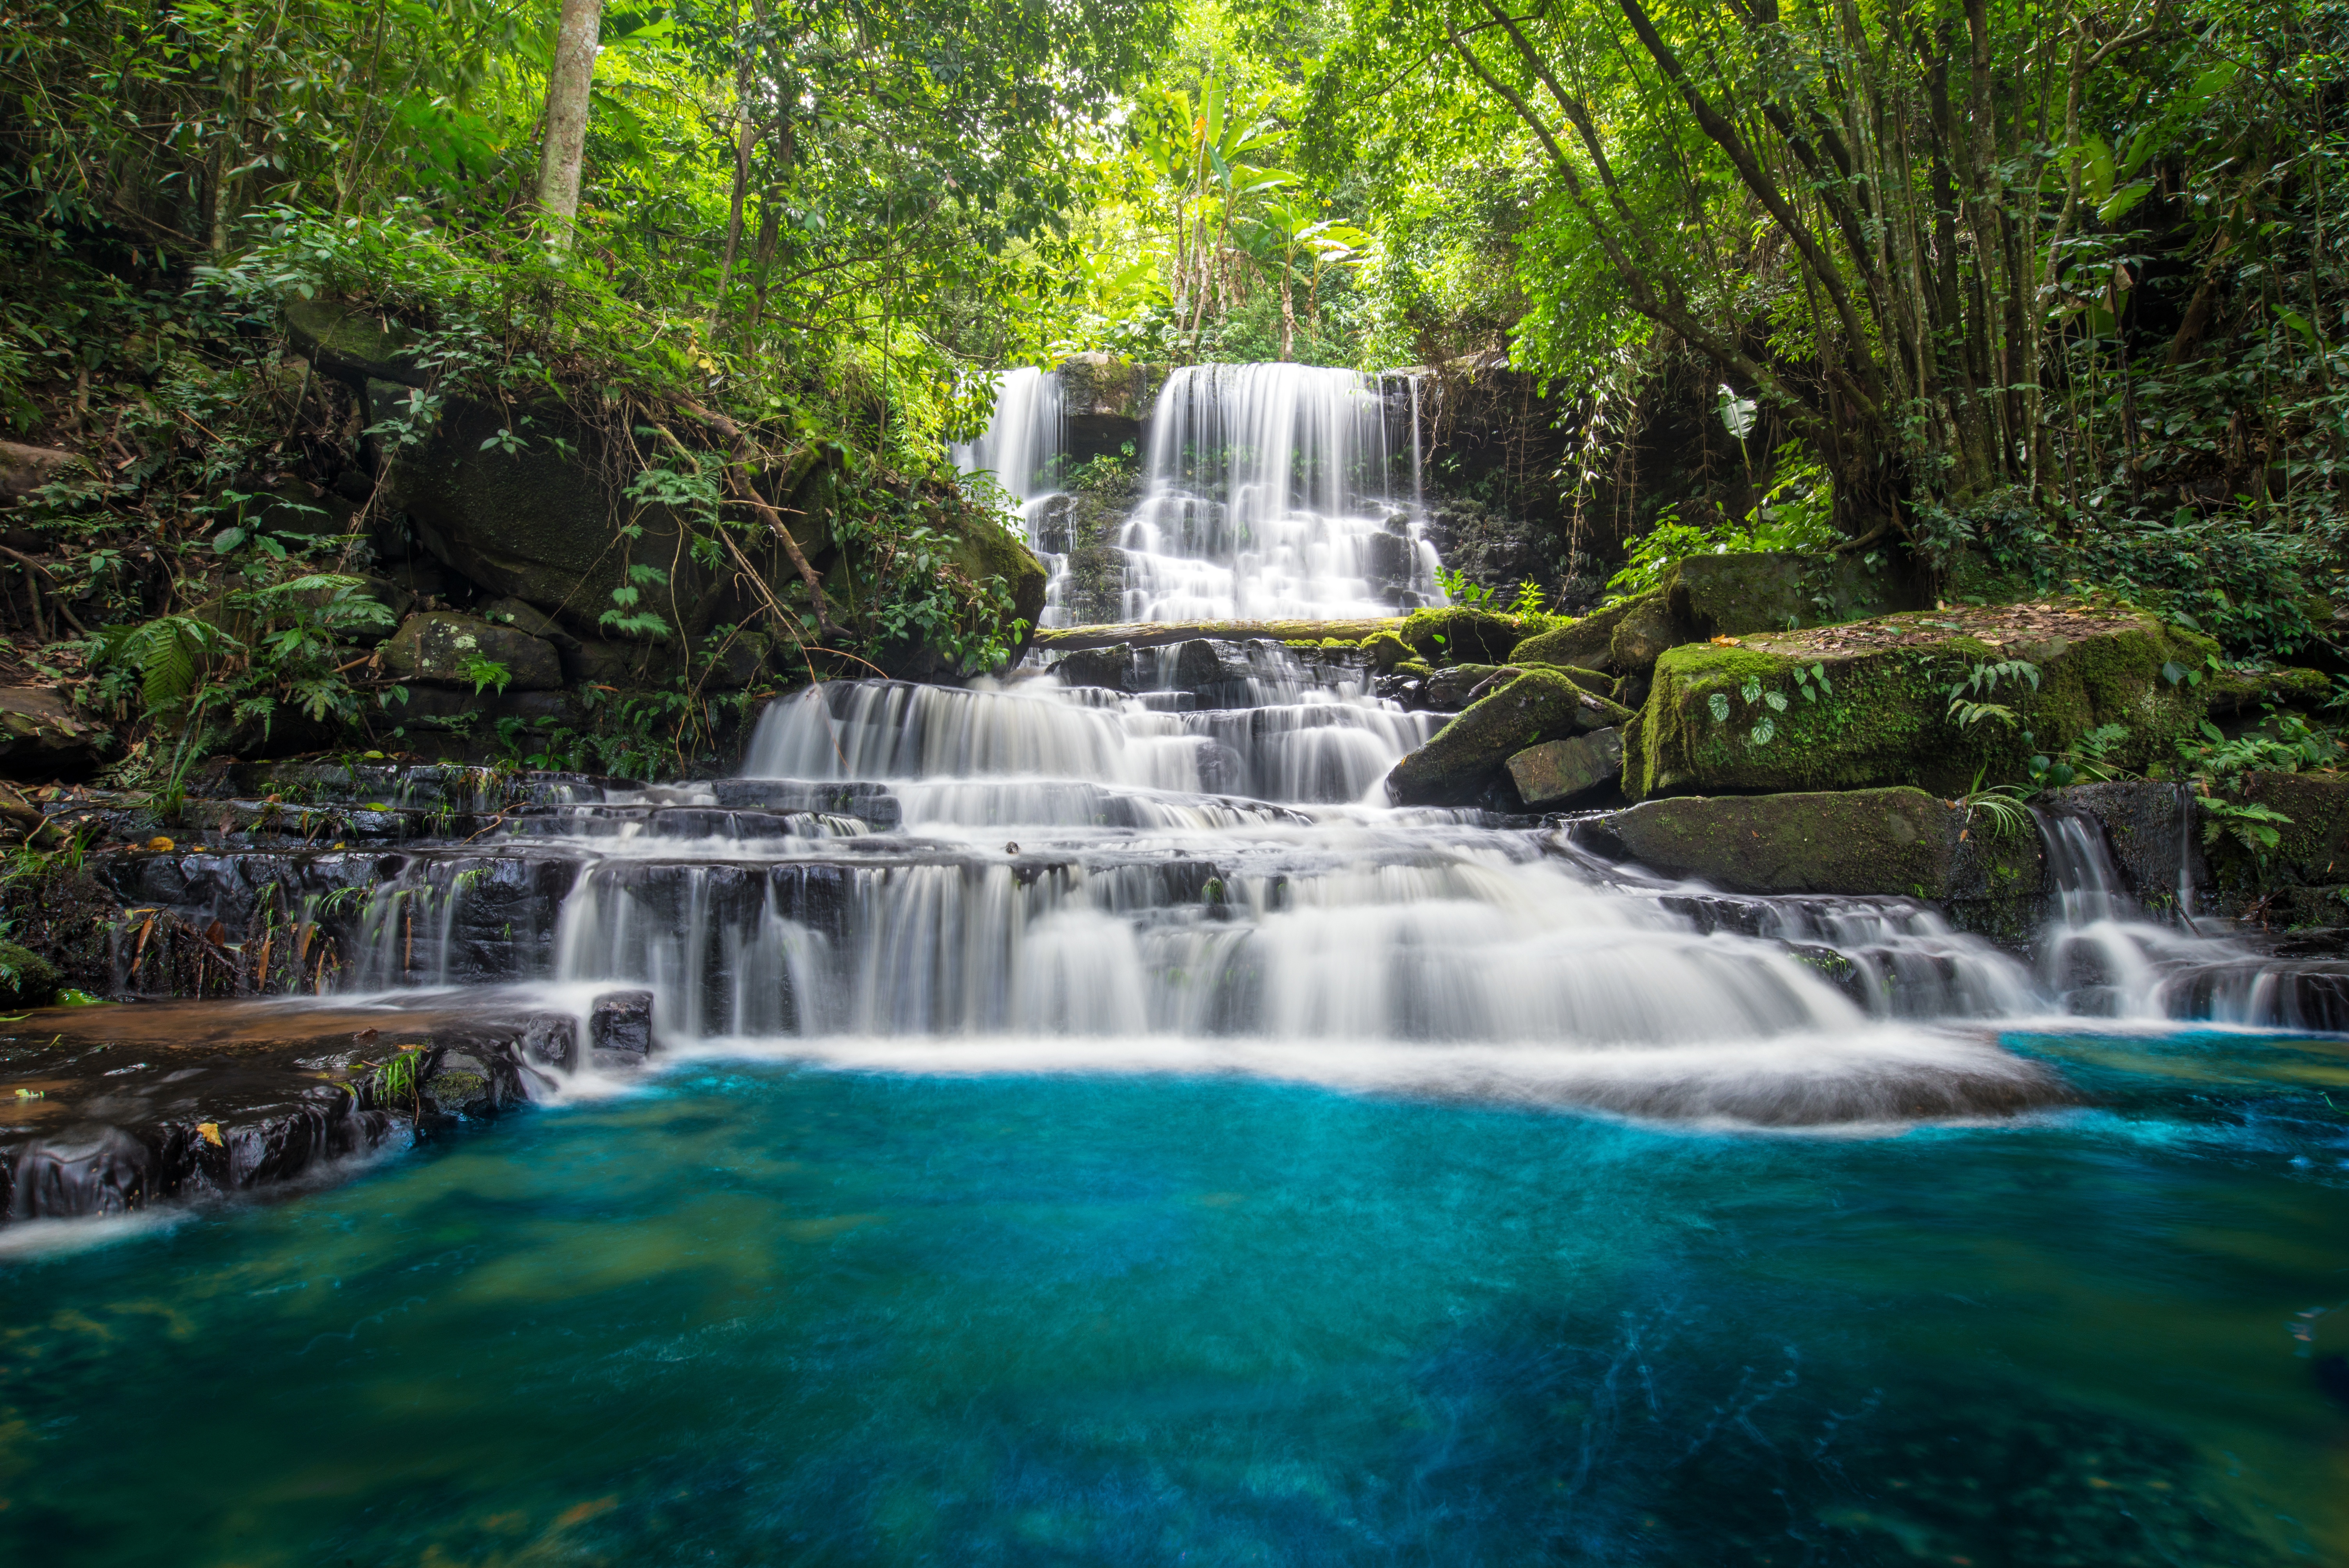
[2030,291]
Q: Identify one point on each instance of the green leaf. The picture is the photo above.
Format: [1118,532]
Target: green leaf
[1719,704]
[2122,201]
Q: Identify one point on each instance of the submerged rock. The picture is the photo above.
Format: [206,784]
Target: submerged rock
[1869,704]
[1465,757]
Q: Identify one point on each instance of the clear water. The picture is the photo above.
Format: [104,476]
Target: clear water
[761,1311]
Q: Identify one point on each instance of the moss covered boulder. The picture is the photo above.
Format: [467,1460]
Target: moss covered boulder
[1459,635]
[1464,758]
[1891,842]
[1588,643]
[1867,704]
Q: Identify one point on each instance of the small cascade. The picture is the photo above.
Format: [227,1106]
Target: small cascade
[1023,449]
[1270,494]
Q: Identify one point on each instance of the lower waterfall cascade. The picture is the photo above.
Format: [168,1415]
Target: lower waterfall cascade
[1031,876]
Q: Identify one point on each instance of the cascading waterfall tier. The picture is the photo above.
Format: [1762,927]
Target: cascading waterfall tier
[1022,450]
[1271,494]
[1035,877]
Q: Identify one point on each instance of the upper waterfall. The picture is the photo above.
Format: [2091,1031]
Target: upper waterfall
[1268,491]
[1271,494]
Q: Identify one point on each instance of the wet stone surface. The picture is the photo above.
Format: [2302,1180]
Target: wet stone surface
[109,1110]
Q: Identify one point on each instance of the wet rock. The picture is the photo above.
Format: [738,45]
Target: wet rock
[1464,758]
[43,737]
[110,1110]
[550,1040]
[1755,715]
[1557,772]
[436,648]
[1094,593]
[1390,563]
[1111,667]
[2156,842]
[620,1028]
[870,803]
[1884,842]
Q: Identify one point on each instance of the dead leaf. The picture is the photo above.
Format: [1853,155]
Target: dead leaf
[211,1130]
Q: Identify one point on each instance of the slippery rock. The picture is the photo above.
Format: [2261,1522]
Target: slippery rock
[1888,842]
[435,649]
[1557,772]
[1869,704]
[1465,757]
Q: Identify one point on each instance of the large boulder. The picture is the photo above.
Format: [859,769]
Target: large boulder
[1464,759]
[1588,643]
[23,469]
[536,520]
[1462,634]
[1709,596]
[1886,841]
[42,736]
[437,648]
[1729,595]
[1869,704]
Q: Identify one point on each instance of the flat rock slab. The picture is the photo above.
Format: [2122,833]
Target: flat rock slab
[108,1109]
[1897,842]
[1558,770]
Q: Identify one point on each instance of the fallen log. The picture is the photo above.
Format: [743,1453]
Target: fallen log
[1158,634]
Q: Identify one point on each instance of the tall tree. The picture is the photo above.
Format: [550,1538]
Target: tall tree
[568,83]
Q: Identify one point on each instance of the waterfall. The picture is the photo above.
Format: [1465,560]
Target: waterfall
[1270,495]
[1021,445]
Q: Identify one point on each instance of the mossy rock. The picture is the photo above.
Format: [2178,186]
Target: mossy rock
[1770,591]
[353,342]
[1733,718]
[26,979]
[1385,651]
[1882,842]
[2312,849]
[1587,644]
[1458,636]
[1464,759]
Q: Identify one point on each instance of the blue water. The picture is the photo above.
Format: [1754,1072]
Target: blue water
[758,1313]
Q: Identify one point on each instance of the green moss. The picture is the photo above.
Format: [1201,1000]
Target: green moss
[1710,724]
[1385,651]
[1466,755]
[26,979]
[1455,635]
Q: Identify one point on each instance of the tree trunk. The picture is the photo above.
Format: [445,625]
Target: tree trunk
[567,86]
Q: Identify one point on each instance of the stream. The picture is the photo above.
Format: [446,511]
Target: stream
[1082,1127]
